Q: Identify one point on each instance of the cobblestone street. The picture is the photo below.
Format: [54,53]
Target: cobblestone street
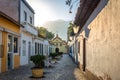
[64,69]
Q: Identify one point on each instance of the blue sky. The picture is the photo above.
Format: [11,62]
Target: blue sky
[51,10]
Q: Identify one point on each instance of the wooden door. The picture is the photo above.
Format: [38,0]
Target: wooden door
[84,54]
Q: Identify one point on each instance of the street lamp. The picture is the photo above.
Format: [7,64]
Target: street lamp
[75,29]
[71,37]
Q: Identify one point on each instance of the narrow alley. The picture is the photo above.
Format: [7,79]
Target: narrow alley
[59,39]
[64,69]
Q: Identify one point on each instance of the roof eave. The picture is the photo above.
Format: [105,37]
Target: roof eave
[84,11]
[9,18]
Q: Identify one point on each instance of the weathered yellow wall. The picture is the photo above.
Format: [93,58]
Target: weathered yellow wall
[16,61]
[9,25]
[12,27]
[103,44]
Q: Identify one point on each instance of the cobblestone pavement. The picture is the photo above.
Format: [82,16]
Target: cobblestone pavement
[64,69]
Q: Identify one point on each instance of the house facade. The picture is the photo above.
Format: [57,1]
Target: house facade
[60,44]
[28,32]
[98,39]
[42,46]
[9,43]
[9,35]
[18,36]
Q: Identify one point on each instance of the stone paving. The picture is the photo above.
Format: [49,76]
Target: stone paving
[64,69]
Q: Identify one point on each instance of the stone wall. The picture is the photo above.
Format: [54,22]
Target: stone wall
[103,43]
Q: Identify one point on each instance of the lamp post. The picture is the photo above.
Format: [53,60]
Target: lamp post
[71,38]
[75,29]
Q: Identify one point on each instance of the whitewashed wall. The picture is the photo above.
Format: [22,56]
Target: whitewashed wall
[24,58]
[28,26]
[103,43]
[46,47]
[27,34]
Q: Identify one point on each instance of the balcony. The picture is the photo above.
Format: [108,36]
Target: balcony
[29,28]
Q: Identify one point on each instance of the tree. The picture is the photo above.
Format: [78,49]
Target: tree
[70,31]
[50,35]
[41,31]
[45,33]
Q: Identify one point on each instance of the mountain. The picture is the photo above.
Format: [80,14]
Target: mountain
[58,27]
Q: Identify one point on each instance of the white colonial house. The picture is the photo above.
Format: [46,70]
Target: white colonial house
[43,46]
[28,32]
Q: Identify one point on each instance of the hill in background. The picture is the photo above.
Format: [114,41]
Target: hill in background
[58,27]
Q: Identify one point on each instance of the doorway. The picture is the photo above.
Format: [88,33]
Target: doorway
[10,52]
[57,50]
[29,51]
[76,51]
[0,48]
[84,54]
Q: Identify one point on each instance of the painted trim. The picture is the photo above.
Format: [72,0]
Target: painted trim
[9,18]
[11,32]
[12,53]
[1,29]
[93,15]
[27,4]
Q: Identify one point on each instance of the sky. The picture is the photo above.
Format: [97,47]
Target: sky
[51,10]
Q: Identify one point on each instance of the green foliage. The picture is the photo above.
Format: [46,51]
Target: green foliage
[60,53]
[50,35]
[53,55]
[45,33]
[70,31]
[38,60]
[42,31]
